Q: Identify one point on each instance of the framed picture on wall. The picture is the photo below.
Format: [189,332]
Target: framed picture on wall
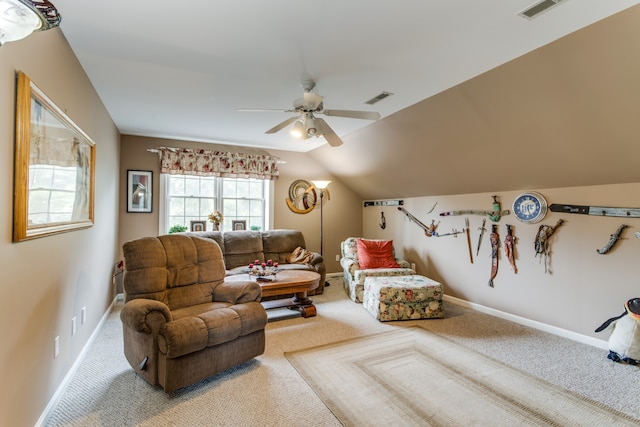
[239,224]
[139,191]
[198,225]
[54,175]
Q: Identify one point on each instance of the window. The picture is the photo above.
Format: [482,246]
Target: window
[188,197]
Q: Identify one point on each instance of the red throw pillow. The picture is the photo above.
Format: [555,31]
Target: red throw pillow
[376,254]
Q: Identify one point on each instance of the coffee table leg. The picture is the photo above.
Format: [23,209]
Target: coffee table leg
[301,298]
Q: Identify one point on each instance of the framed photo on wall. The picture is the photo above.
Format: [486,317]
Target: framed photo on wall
[198,225]
[139,191]
[239,224]
[54,175]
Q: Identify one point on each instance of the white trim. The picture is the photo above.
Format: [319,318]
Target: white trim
[55,399]
[528,322]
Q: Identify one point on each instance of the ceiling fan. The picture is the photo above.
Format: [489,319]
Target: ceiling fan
[307,125]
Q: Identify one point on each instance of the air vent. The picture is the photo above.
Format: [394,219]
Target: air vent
[378,98]
[538,8]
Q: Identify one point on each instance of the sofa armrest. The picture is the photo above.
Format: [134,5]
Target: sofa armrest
[145,315]
[237,291]
[317,259]
[350,266]
[403,263]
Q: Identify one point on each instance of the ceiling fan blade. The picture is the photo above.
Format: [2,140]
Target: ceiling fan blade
[283,125]
[280,110]
[312,101]
[366,115]
[332,138]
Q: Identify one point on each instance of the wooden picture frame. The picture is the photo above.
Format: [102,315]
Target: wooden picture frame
[139,191]
[237,224]
[198,225]
[54,175]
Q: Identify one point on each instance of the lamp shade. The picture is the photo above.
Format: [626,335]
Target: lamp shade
[19,18]
[321,185]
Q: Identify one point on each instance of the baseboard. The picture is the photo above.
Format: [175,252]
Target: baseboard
[531,323]
[55,399]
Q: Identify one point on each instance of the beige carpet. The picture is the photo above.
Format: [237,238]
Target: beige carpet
[269,392]
[425,379]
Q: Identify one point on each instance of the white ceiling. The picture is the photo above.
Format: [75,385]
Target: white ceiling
[181,69]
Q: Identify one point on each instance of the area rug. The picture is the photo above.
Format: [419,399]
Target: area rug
[414,377]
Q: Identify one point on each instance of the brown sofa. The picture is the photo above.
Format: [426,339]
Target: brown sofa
[182,322]
[240,248]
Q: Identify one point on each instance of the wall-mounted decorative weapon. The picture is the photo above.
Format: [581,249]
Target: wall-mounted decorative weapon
[482,230]
[383,222]
[453,233]
[466,229]
[509,248]
[541,242]
[612,241]
[493,215]
[596,210]
[494,238]
[428,230]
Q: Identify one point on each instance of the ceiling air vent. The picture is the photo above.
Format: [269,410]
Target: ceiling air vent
[378,98]
[538,8]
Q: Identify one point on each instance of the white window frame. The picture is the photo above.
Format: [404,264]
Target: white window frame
[163,225]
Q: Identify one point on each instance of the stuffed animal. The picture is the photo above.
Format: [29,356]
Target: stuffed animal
[624,342]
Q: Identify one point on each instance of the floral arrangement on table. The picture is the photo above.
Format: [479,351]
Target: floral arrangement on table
[216,218]
[263,270]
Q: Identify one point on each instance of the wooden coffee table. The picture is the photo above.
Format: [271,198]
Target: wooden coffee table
[287,282]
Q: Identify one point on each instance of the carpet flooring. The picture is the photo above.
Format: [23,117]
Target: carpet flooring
[269,391]
[425,379]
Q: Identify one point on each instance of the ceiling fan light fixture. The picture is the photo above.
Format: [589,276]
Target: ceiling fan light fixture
[299,130]
[19,18]
[311,127]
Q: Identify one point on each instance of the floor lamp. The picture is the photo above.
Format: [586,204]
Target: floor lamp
[321,186]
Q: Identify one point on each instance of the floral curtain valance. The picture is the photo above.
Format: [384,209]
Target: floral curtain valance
[187,161]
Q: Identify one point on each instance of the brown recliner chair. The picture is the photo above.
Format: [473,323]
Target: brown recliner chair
[182,322]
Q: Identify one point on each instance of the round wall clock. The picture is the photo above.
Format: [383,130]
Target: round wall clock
[530,207]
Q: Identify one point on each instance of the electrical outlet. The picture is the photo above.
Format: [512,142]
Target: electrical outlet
[337,257]
[56,347]
[83,315]
[73,325]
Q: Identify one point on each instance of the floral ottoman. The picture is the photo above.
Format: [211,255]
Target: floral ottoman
[403,298]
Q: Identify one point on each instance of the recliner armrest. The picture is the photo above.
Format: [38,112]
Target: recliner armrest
[145,315]
[237,292]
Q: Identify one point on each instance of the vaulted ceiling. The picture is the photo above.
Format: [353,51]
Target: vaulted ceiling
[483,99]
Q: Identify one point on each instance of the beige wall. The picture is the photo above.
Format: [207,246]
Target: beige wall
[47,281]
[584,288]
[341,214]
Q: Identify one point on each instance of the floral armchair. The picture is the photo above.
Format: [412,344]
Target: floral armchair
[354,275]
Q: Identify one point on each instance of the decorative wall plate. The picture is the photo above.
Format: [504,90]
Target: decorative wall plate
[530,207]
[302,198]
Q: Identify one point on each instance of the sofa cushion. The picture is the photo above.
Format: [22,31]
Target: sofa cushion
[242,248]
[376,254]
[278,244]
[207,325]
